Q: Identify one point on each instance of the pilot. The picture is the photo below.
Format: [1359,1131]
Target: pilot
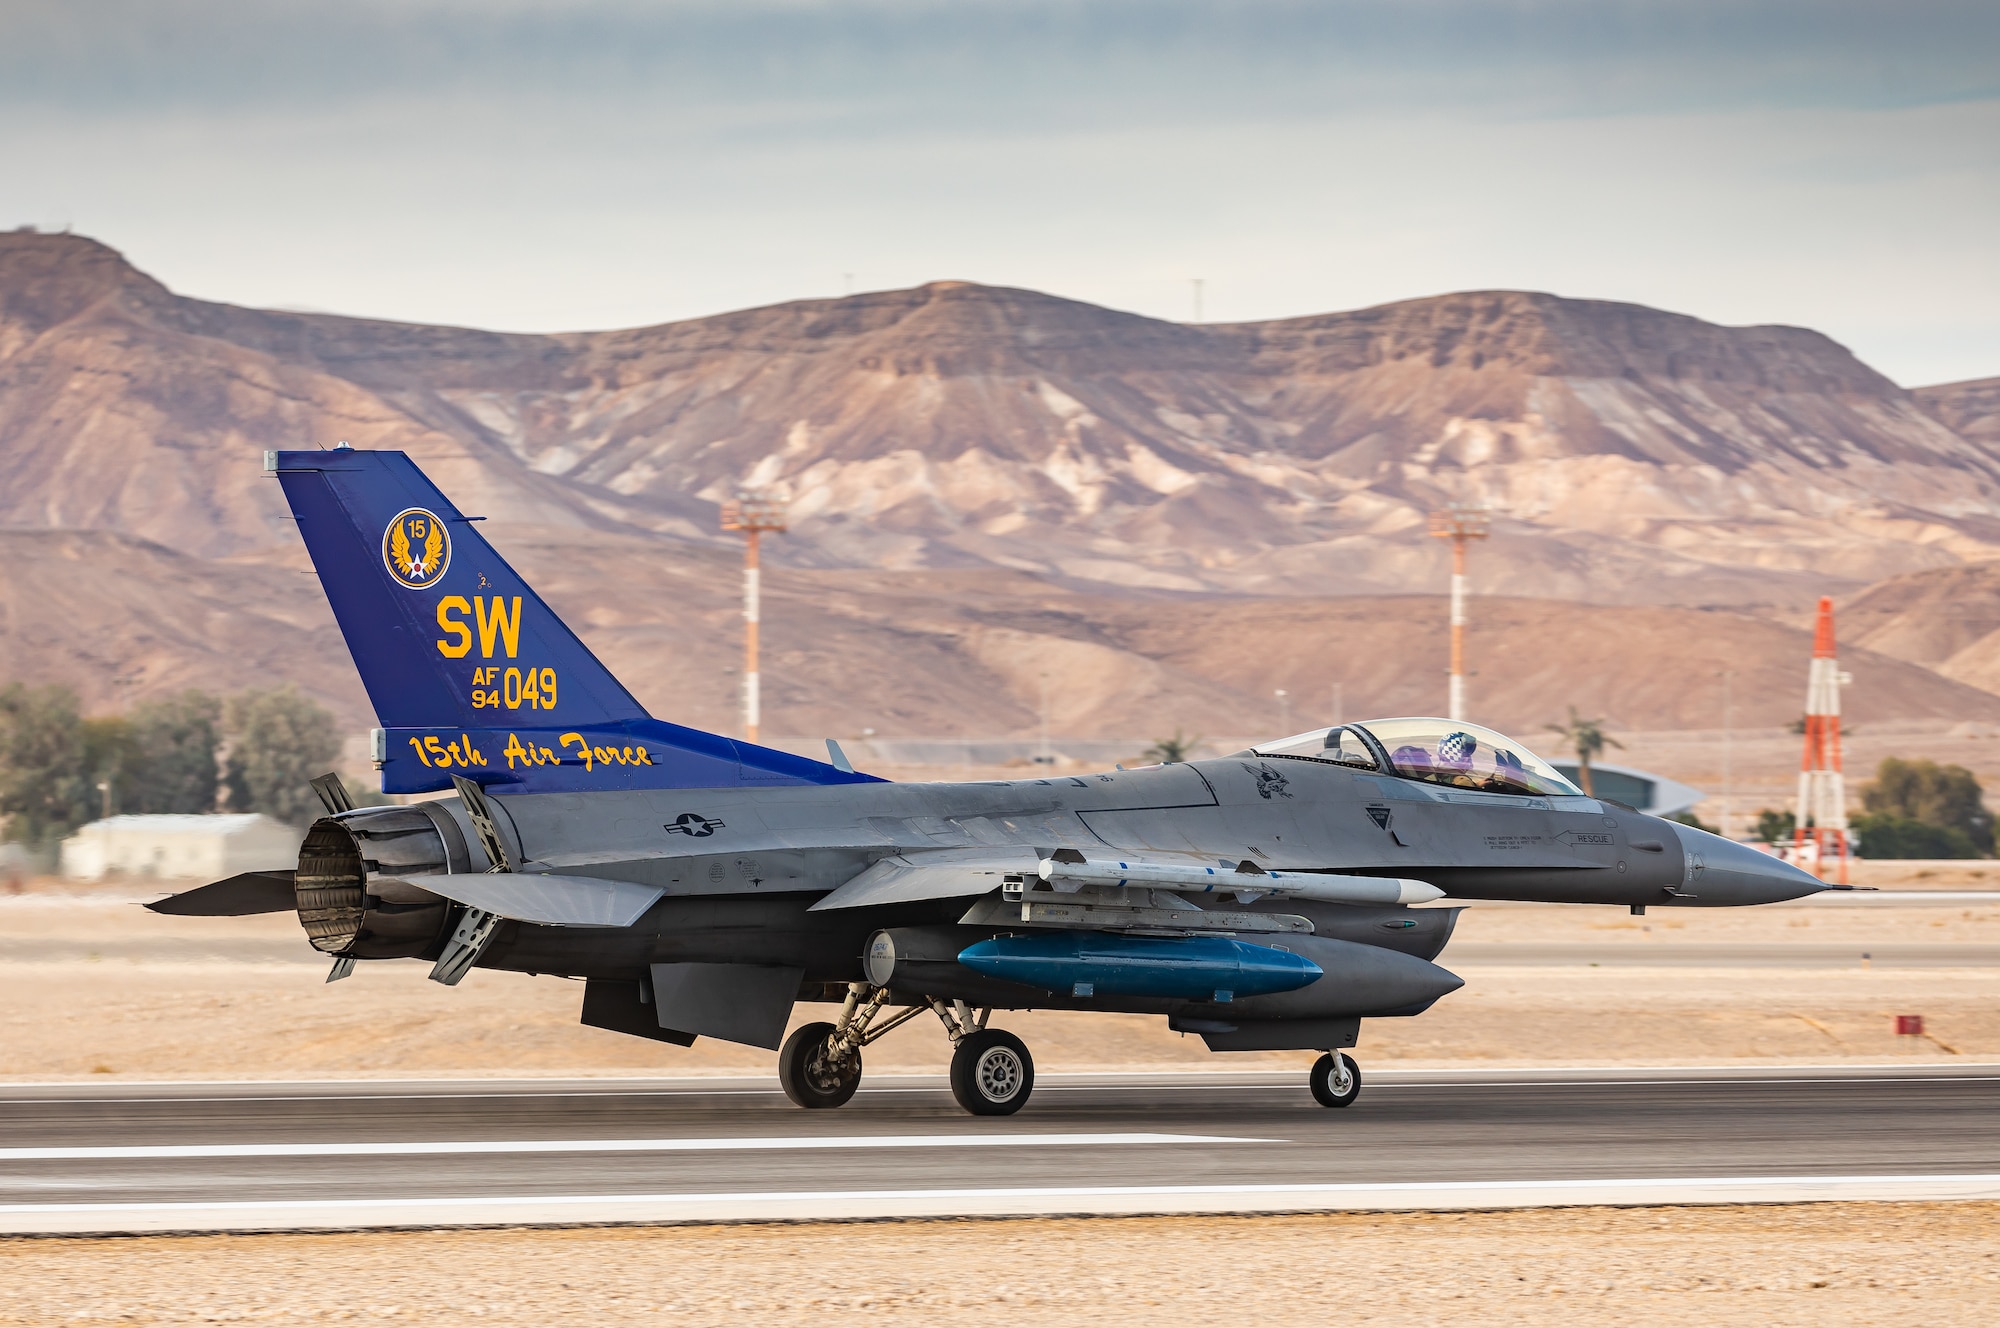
[1509,775]
[1413,761]
[1454,759]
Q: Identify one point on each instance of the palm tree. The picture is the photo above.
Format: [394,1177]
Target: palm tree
[1587,738]
[1171,751]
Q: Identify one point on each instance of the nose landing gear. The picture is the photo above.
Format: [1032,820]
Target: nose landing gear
[1336,1080]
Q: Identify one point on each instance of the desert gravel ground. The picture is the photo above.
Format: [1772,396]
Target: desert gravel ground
[1798,1264]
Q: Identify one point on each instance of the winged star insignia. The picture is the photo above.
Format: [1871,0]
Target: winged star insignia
[416,548]
[693,824]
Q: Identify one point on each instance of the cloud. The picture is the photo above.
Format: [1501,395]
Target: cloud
[1107,60]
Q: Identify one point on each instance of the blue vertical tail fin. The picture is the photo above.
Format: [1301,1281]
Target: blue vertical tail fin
[470,673]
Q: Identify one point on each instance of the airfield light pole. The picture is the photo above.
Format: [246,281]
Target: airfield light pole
[1458,523]
[1043,756]
[1284,711]
[1728,745]
[753,514]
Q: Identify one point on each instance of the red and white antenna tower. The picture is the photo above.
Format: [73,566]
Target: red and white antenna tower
[1458,523]
[1822,810]
[752,513]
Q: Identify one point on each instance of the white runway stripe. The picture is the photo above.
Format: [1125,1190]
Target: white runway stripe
[148,1152]
[834,1205]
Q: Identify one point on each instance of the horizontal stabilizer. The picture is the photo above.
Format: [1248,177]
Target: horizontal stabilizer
[552,901]
[946,874]
[240,896]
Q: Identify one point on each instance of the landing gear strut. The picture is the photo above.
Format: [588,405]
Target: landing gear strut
[810,1074]
[1336,1080]
[992,1073]
[820,1064]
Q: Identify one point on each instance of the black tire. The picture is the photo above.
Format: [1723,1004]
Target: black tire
[805,1074]
[992,1073]
[1326,1085]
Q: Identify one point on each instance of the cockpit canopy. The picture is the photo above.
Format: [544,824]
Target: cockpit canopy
[1438,751]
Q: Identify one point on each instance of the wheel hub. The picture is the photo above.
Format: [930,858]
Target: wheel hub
[824,1074]
[998,1074]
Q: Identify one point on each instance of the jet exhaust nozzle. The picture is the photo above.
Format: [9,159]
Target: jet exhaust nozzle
[1103,964]
[352,898]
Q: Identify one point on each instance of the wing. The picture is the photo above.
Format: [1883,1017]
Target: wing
[399,548]
[433,547]
[943,874]
[956,873]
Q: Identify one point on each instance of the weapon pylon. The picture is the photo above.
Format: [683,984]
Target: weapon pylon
[1822,809]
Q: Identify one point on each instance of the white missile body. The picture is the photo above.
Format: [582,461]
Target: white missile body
[1191,879]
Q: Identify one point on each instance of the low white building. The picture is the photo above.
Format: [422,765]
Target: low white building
[207,847]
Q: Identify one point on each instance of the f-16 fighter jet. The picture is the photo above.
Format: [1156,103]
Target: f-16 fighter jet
[702,886]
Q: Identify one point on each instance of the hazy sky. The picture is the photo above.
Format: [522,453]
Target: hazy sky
[545,164]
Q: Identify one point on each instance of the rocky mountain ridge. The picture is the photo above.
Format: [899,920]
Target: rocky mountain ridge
[987,485]
[1970,409]
[1626,453]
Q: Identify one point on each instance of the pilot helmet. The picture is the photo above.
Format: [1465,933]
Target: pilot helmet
[1456,749]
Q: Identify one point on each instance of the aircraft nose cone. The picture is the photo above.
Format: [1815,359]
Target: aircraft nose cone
[1733,873]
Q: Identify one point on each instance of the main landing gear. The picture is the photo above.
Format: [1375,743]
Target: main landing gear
[813,1072]
[991,1071]
[820,1064]
[1336,1079]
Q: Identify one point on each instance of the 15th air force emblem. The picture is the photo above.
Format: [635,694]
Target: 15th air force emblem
[416,549]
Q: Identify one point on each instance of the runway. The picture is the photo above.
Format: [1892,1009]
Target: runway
[356,1154]
[1719,954]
